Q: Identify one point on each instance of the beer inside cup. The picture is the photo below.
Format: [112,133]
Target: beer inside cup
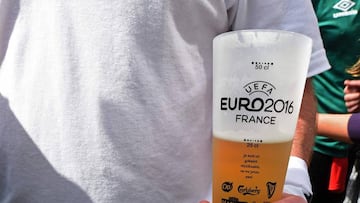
[259,78]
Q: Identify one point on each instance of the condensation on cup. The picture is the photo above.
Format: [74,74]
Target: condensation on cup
[259,79]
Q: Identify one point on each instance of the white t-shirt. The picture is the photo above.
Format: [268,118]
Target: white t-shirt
[110,101]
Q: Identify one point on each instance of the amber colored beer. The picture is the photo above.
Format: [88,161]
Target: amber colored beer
[251,172]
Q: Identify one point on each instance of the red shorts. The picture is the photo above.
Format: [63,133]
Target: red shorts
[339,169]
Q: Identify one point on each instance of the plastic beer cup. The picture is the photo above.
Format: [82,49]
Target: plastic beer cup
[259,79]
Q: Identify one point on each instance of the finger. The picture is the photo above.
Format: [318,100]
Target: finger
[351,102]
[204,201]
[352,106]
[353,109]
[352,83]
[352,97]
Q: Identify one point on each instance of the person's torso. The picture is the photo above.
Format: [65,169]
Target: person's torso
[339,22]
[106,101]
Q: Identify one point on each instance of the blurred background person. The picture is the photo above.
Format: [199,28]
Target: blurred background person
[339,22]
[346,128]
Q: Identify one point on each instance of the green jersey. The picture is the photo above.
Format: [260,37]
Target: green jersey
[339,22]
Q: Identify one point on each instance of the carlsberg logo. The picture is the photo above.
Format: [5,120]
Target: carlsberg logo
[259,99]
